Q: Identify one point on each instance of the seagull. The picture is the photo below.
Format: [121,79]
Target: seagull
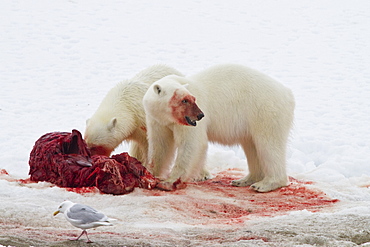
[83,216]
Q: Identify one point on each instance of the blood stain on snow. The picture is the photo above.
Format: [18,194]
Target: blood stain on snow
[3,172]
[83,190]
[215,201]
[5,176]
[26,181]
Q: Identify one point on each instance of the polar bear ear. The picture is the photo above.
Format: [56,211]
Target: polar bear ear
[157,89]
[112,123]
[183,81]
[186,85]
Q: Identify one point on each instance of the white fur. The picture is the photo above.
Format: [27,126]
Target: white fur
[241,106]
[121,115]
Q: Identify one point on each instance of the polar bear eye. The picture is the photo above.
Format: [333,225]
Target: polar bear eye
[184,101]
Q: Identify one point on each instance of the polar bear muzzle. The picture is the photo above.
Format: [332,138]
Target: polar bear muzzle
[100,150]
[193,122]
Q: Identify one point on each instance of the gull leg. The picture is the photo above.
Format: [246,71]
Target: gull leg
[88,240]
[83,232]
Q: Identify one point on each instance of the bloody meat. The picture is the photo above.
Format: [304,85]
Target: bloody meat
[62,158]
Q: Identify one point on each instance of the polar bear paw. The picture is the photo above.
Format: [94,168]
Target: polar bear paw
[260,185]
[203,176]
[266,185]
[246,181]
[169,185]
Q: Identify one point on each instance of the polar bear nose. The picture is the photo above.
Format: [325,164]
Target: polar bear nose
[200,116]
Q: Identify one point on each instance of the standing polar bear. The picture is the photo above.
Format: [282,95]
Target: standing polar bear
[121,115]
[240,106]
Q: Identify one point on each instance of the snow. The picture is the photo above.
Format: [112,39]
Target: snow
[58,59]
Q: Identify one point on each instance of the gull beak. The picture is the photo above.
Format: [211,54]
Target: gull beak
[56,212]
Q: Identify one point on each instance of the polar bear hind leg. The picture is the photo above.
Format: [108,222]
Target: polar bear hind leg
[272,160]
[254,167]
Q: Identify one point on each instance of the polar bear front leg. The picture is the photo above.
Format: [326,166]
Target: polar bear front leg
[139,151]
[161,149]
[192,148]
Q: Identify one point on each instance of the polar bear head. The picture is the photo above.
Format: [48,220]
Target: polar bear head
[168,101]
[114,120]
[101,134]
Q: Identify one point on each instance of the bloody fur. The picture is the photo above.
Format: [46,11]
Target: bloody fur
[100,150]
[184,106]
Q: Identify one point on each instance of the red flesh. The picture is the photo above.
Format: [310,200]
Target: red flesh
[61,158]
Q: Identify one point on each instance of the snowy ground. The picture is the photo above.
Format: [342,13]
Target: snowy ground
[59,58]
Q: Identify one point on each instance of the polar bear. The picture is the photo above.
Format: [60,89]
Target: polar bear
[121,115]
[241,106]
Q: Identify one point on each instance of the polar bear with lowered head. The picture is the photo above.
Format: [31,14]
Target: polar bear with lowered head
[121,117]
[241,106]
